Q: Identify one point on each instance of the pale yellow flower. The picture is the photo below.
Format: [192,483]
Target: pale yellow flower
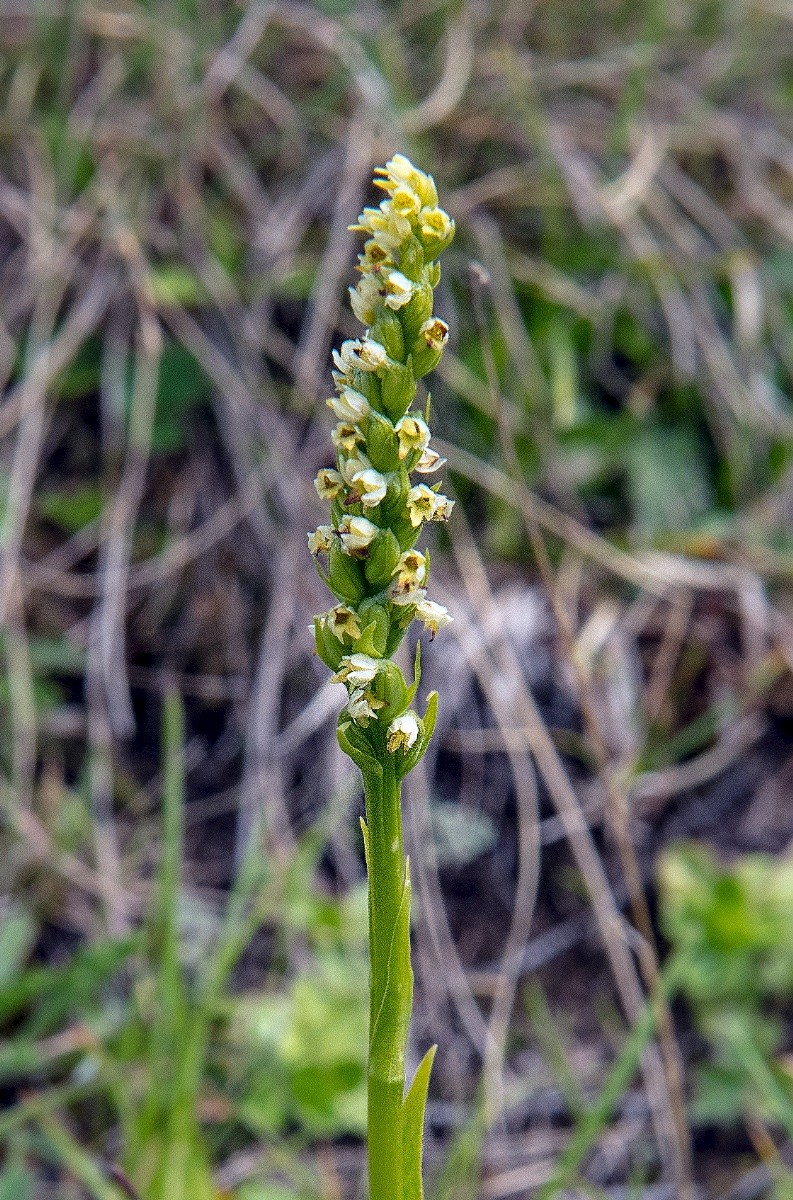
[406,596]
[374,256]
[405,201]
[413,434]
[410,571]
[354,465]
[342,622]
[368,485]
[372,355]
[366,296]
[346,437]
[349,405]
[430,461]
[386,225]
[329,484]
[371,486]
[424,504]
[435,333]
[400,172]
[398,288]
[321,540]
[435,223]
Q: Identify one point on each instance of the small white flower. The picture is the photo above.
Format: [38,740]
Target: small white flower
[357,534]
[402,732]
[413,434]
[399,289]
[362,354]
[430,461]
[352,466]
[349,405]
[329,484]
[372,355]
[424,504]
[321,540]
[357,670]
[344,357]
[367,296]
[362,706]
[434,616]
[371,486]
[406,596]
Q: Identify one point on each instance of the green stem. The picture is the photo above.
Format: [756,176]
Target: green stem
[391,981]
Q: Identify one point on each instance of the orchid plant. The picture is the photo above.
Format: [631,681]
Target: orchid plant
[367,555]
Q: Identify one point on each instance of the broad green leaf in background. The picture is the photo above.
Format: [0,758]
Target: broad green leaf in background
[16,1184]
[17,934]
[667,480]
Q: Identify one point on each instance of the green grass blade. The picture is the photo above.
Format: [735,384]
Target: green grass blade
[61,1146]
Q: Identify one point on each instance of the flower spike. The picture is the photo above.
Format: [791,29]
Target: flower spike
[378,510]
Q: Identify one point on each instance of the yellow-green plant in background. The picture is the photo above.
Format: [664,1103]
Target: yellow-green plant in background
[732,947]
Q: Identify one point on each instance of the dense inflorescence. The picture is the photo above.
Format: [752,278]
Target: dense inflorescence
[377,510]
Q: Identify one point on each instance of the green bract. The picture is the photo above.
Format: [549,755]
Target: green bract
[377,509]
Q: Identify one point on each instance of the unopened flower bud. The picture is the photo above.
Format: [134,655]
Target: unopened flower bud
[349,406]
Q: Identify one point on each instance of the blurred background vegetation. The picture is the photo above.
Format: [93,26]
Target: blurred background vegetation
[601,839]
